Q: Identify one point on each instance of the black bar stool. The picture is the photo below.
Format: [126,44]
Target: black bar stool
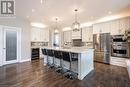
[50,58]
[44,52]
[74,64]
[58,61]
[67,58]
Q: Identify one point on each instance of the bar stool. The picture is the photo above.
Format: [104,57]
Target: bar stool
[74,64]
[50,58]
[67,59]
[44,52]
[58,61]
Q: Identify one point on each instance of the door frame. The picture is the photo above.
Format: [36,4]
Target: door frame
[18,30]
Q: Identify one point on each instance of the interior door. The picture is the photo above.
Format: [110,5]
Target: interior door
[10,46]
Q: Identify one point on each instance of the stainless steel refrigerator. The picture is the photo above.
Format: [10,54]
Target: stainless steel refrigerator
[102,46]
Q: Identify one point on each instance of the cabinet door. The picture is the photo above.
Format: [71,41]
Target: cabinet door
[105,27]
[35,34]
[90,38]
[38,31]
[42,35]
[64,36]
[84,34]
[47,35]
[87,34]
[124,25]
[114,26]
[67,36]
[96,29]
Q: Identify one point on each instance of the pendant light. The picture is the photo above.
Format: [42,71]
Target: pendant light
[56,27]
[76,24]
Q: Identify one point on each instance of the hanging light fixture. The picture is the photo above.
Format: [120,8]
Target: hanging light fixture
[56,27]
[76,24]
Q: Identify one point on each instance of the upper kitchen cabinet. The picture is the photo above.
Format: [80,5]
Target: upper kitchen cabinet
[39,35]
[35,34]
[101,28]
[124,24]
[96,29]
[67,36]
[114,27]
[119,26]
[87,34]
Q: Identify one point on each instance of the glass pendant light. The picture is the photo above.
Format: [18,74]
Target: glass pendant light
[56,30]
[76,24]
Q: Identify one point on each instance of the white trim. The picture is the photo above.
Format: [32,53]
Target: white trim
[18,30]
[10,62]
[1,63]
[25,60]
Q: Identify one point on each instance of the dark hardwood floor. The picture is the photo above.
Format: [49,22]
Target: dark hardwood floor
[34,74]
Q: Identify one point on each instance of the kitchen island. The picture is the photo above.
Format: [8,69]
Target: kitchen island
[85,63]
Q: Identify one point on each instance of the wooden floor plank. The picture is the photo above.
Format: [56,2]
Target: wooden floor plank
[34,74]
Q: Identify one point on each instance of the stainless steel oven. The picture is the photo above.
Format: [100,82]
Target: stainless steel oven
[119,46]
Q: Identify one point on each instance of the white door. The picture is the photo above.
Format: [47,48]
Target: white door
[11,45]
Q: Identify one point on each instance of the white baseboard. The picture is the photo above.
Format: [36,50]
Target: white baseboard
[25,60]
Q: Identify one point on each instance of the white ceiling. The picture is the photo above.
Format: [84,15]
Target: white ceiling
[89,10]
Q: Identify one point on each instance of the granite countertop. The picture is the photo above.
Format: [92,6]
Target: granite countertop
[38,46]
[74,50]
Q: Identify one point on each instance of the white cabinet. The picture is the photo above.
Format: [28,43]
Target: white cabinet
[34,34]
[96,29]
[119,26]
[101,28]
[47,35]
[114,27]
[87,34]
[39,35]
[124,24]
[76,34]
[67,36]
[105,27]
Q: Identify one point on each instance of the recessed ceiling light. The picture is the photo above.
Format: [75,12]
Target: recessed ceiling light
[92,17]
[33,10]
[27,16]
[37,24]
[41,1]
[109,12]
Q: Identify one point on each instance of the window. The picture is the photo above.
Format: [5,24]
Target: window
[56,39]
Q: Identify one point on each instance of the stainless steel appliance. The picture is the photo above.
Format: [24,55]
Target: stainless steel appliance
[102,46]
[119,47]
[35,53]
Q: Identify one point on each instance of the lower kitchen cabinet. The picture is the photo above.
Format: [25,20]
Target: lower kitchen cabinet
[118,61]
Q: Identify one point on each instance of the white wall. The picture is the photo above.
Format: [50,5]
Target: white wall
[25,35]
[0,46]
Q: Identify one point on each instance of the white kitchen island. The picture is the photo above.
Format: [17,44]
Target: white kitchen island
[85,63]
